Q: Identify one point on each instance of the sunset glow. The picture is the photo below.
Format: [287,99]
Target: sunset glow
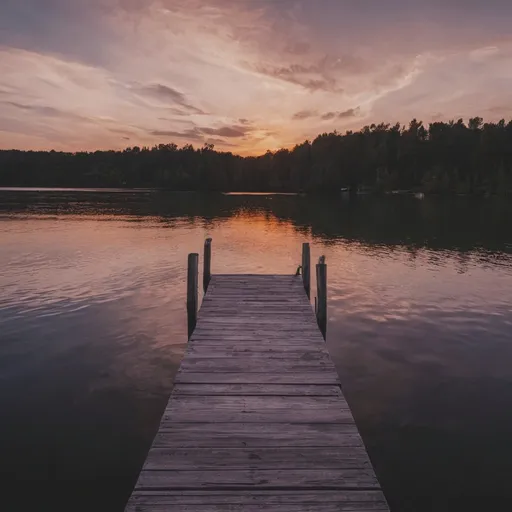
[244,75]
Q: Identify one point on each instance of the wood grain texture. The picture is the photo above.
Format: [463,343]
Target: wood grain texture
[257,420]
[243,364]
[203,479]
[192,292]
[284,501]
[290,457]
[250,435]
[270,350]
[311,377]
[257,409]
[256,389]
[255,339]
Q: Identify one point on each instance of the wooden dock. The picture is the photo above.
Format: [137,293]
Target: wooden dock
[257,420]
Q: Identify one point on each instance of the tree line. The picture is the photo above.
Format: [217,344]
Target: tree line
[445,157]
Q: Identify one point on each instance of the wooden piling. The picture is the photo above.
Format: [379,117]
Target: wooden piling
[207,269]
[306,268]
[192,292]
[321,287]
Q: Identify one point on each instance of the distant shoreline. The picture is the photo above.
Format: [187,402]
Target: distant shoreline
[452,158]
[343,194]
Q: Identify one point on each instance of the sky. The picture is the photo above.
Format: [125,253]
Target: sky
[244,75]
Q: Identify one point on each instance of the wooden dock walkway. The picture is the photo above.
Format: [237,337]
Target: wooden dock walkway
[257,420]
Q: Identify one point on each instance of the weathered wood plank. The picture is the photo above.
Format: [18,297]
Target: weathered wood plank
[258,496]
[270,347]
[251,289]
[278,339]
[255,389]
[243,364]
[312,377]
[279,296]
[270,501]
[255,295]
[257,336]
[252,325]
[282,501]
[253,302]
[157,506]
[224,300]
[234,318]
[258,402]
[269,350]
[257,458]
[250,435]
[270,314]
[258,324]
[250,409]
[301,479]
[259,479]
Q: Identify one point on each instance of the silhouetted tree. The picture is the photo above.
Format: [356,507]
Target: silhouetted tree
[447,157]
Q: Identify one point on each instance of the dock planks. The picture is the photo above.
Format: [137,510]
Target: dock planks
[257,420]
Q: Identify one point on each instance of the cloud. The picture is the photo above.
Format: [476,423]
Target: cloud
[308,77]
[454,85]
[163,91]
[351,112]
[345,114]
[166,93]
[70,71]
[327,72]
[198,133]
[192,134]
[328,116]
[225,131]
[304,114]
[46,111]
[220,142]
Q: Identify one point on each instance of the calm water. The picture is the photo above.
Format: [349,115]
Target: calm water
[93,326]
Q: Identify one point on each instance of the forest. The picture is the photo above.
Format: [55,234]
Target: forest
[442,158]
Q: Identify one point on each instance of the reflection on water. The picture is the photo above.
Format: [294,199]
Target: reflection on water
[92,328]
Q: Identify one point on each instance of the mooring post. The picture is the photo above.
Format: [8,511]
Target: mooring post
[207,270]
[306,268]
[192,292]
[321,292]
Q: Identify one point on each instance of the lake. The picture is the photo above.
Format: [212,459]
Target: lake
[93,327]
